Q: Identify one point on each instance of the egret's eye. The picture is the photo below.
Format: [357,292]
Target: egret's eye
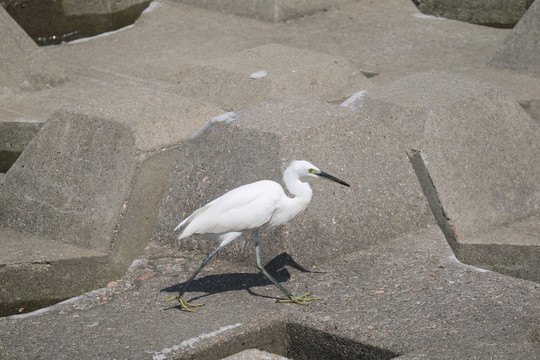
[312,171]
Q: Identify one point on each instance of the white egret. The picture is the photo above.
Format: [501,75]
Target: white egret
[251,207]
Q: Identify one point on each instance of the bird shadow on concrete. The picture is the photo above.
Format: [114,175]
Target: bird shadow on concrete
[215,284]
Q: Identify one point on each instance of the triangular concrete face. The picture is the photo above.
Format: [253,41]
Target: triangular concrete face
[521,49]
[25,67]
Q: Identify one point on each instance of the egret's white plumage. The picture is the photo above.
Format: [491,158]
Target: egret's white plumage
[244,208]
[251,207]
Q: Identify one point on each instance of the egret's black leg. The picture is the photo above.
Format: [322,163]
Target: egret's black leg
[295,299]
[184,304]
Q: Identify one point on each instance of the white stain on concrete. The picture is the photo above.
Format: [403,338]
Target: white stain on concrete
[33,121]
[164,353]
[101,35]
[355,101]
[258,75]
[153,6]
[452,258]
[68,301]
[226,118]
[430,17]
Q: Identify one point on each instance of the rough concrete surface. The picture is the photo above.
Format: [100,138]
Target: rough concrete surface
[406,297]
[390,284]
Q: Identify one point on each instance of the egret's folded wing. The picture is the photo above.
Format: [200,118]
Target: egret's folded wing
[244,208]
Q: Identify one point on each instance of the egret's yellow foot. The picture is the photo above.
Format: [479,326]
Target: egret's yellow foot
[184,304]
[299,299]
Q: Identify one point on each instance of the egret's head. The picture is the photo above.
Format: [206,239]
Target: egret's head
[306,169]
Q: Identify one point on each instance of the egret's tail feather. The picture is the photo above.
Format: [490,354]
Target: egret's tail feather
[185,223]
[181,225]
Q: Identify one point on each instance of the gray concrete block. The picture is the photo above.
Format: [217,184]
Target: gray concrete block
[521,49]
[267,10]
[25,67]
[289,72]
[71,180]
[476,153]
[491,13]
[384,199]
[89,186]
[37,271]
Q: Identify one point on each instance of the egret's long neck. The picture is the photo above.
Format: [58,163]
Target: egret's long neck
[301,190]
[290,207]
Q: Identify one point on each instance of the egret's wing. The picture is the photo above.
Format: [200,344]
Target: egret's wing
[200,211]
[246,207]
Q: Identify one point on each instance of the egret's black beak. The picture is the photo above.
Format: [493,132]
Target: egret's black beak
[333,178]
